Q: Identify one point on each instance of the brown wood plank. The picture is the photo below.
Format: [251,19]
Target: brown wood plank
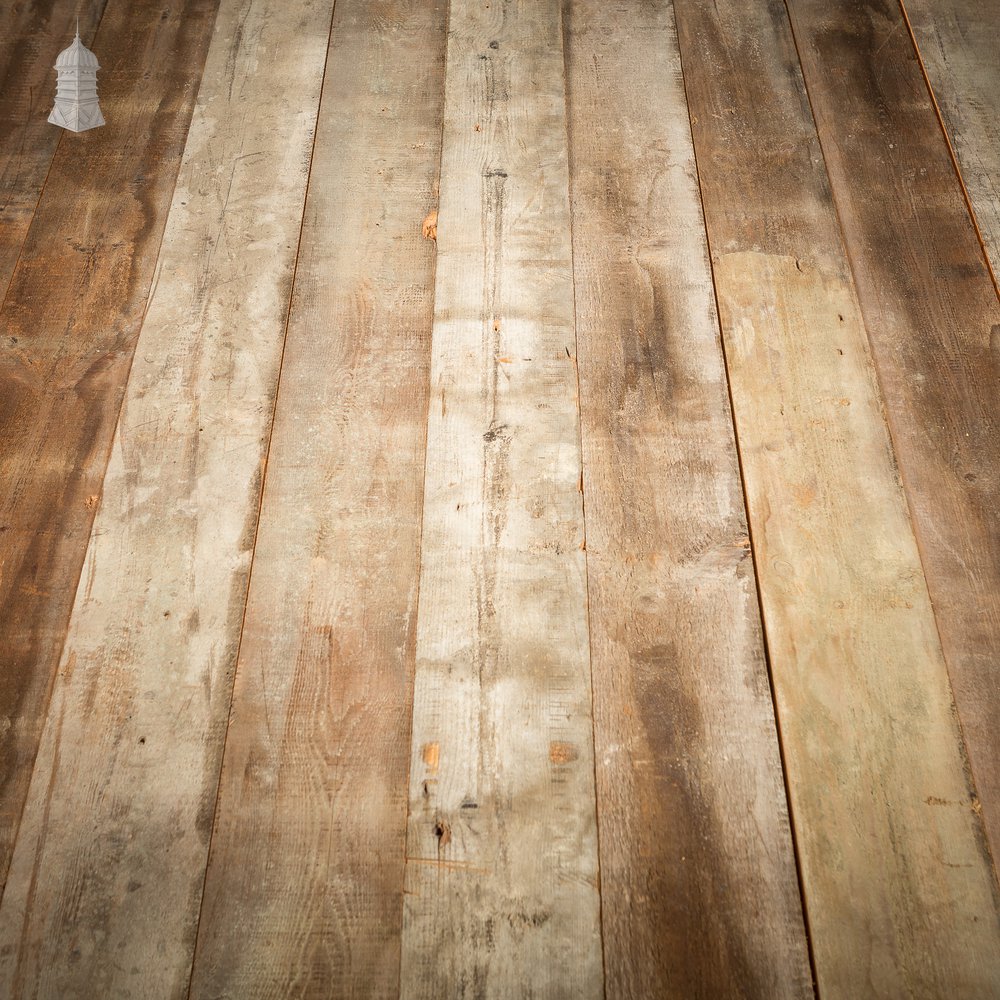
[70,322]
[699,892]
[934,323]
[501,871]
[32,34]
[957,42]
[304,890]
[900,894]
[106,881]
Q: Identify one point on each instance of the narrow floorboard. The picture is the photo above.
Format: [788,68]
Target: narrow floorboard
[501,869]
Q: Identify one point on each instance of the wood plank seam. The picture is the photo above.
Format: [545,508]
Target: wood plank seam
[754,555]
[951,147]
[583,509]
[260,501]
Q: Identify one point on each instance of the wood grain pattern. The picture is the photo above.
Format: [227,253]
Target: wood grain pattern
[957,40]
[501,872]
[304,894]
[105,885]
[699,892]
[32,34]
[70,321]
[934,322]
[900,894]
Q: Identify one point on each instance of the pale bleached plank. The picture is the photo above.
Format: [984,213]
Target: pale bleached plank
[900,895]
[958,47]
[107,873]
[699,892]
[304,894]
[501,884]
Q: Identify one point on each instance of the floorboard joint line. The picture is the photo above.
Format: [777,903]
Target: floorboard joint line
[951,148]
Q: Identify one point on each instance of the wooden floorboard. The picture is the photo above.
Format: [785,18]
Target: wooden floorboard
[957,41]
[501,870]
[699,891]
[899,890]
[70,321]
[312,810]
[108,905]
[32,34]
[933,319]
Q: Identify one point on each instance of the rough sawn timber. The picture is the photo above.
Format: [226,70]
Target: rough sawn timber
[103,897]
[699,893]
[304,895]
[933,320]
[70,321]
[899,890]
[502,883]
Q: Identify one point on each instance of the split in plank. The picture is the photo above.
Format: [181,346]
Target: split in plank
[304,894]
[104,893]
[899,890]
[501,885]
[699,892]
[70,322]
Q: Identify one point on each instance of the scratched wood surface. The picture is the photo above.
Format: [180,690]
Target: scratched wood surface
[934,321]
[501,869]
[69,322]
[699,892]
[957,42]
[305,884]
[32,34]
[109,906]
[574,606]
[899,890]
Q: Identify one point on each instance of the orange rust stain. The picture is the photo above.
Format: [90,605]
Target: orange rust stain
[430,226]
[91,502]
[562,753]
[804,495]
[431,754]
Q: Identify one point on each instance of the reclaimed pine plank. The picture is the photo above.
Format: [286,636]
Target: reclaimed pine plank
[32,34]
[304,893]
[934,323]
[70,322]
[104,892]
[900,894]
[699,892]
[958,47]
[501,870]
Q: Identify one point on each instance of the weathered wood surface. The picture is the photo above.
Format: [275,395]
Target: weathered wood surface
[104,891]
[699,893]
[900,895]
[957,41]
[32,34]
[304,895]
[501,871]
[69,322]
[934,323]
